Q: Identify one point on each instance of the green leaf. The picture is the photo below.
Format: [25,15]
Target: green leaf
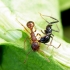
[13,53]
[12,58]
[64,4]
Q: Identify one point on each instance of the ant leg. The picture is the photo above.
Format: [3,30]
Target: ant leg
[42,32]
[51,40]
[52,34]
[51,22]
[44,54]
[27,56]
[56,30]
[25,41]
[43,18]
[54,19]
[38,34]
[56,47]
[54,22]
[35,30]
[50,17]
[52,45]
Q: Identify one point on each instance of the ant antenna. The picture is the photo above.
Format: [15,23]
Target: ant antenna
[50,17]
[43,18]
[27,56]
[22,25]
[51,22]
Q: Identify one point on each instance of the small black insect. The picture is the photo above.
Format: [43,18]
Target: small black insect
[48,32]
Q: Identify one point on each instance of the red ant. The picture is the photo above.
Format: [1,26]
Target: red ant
[34,42]
[48,32]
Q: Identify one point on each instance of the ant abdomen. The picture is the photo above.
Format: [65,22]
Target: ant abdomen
[35,46]
[44,39]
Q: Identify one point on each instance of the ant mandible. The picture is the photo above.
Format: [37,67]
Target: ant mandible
[48,32]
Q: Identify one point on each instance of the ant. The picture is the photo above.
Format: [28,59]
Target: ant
[34,42]
[48,32]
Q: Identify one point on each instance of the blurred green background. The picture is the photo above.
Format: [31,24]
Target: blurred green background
[65,17]
[54,7]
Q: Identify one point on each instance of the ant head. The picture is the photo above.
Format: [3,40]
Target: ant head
[48,26]
[30,24]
